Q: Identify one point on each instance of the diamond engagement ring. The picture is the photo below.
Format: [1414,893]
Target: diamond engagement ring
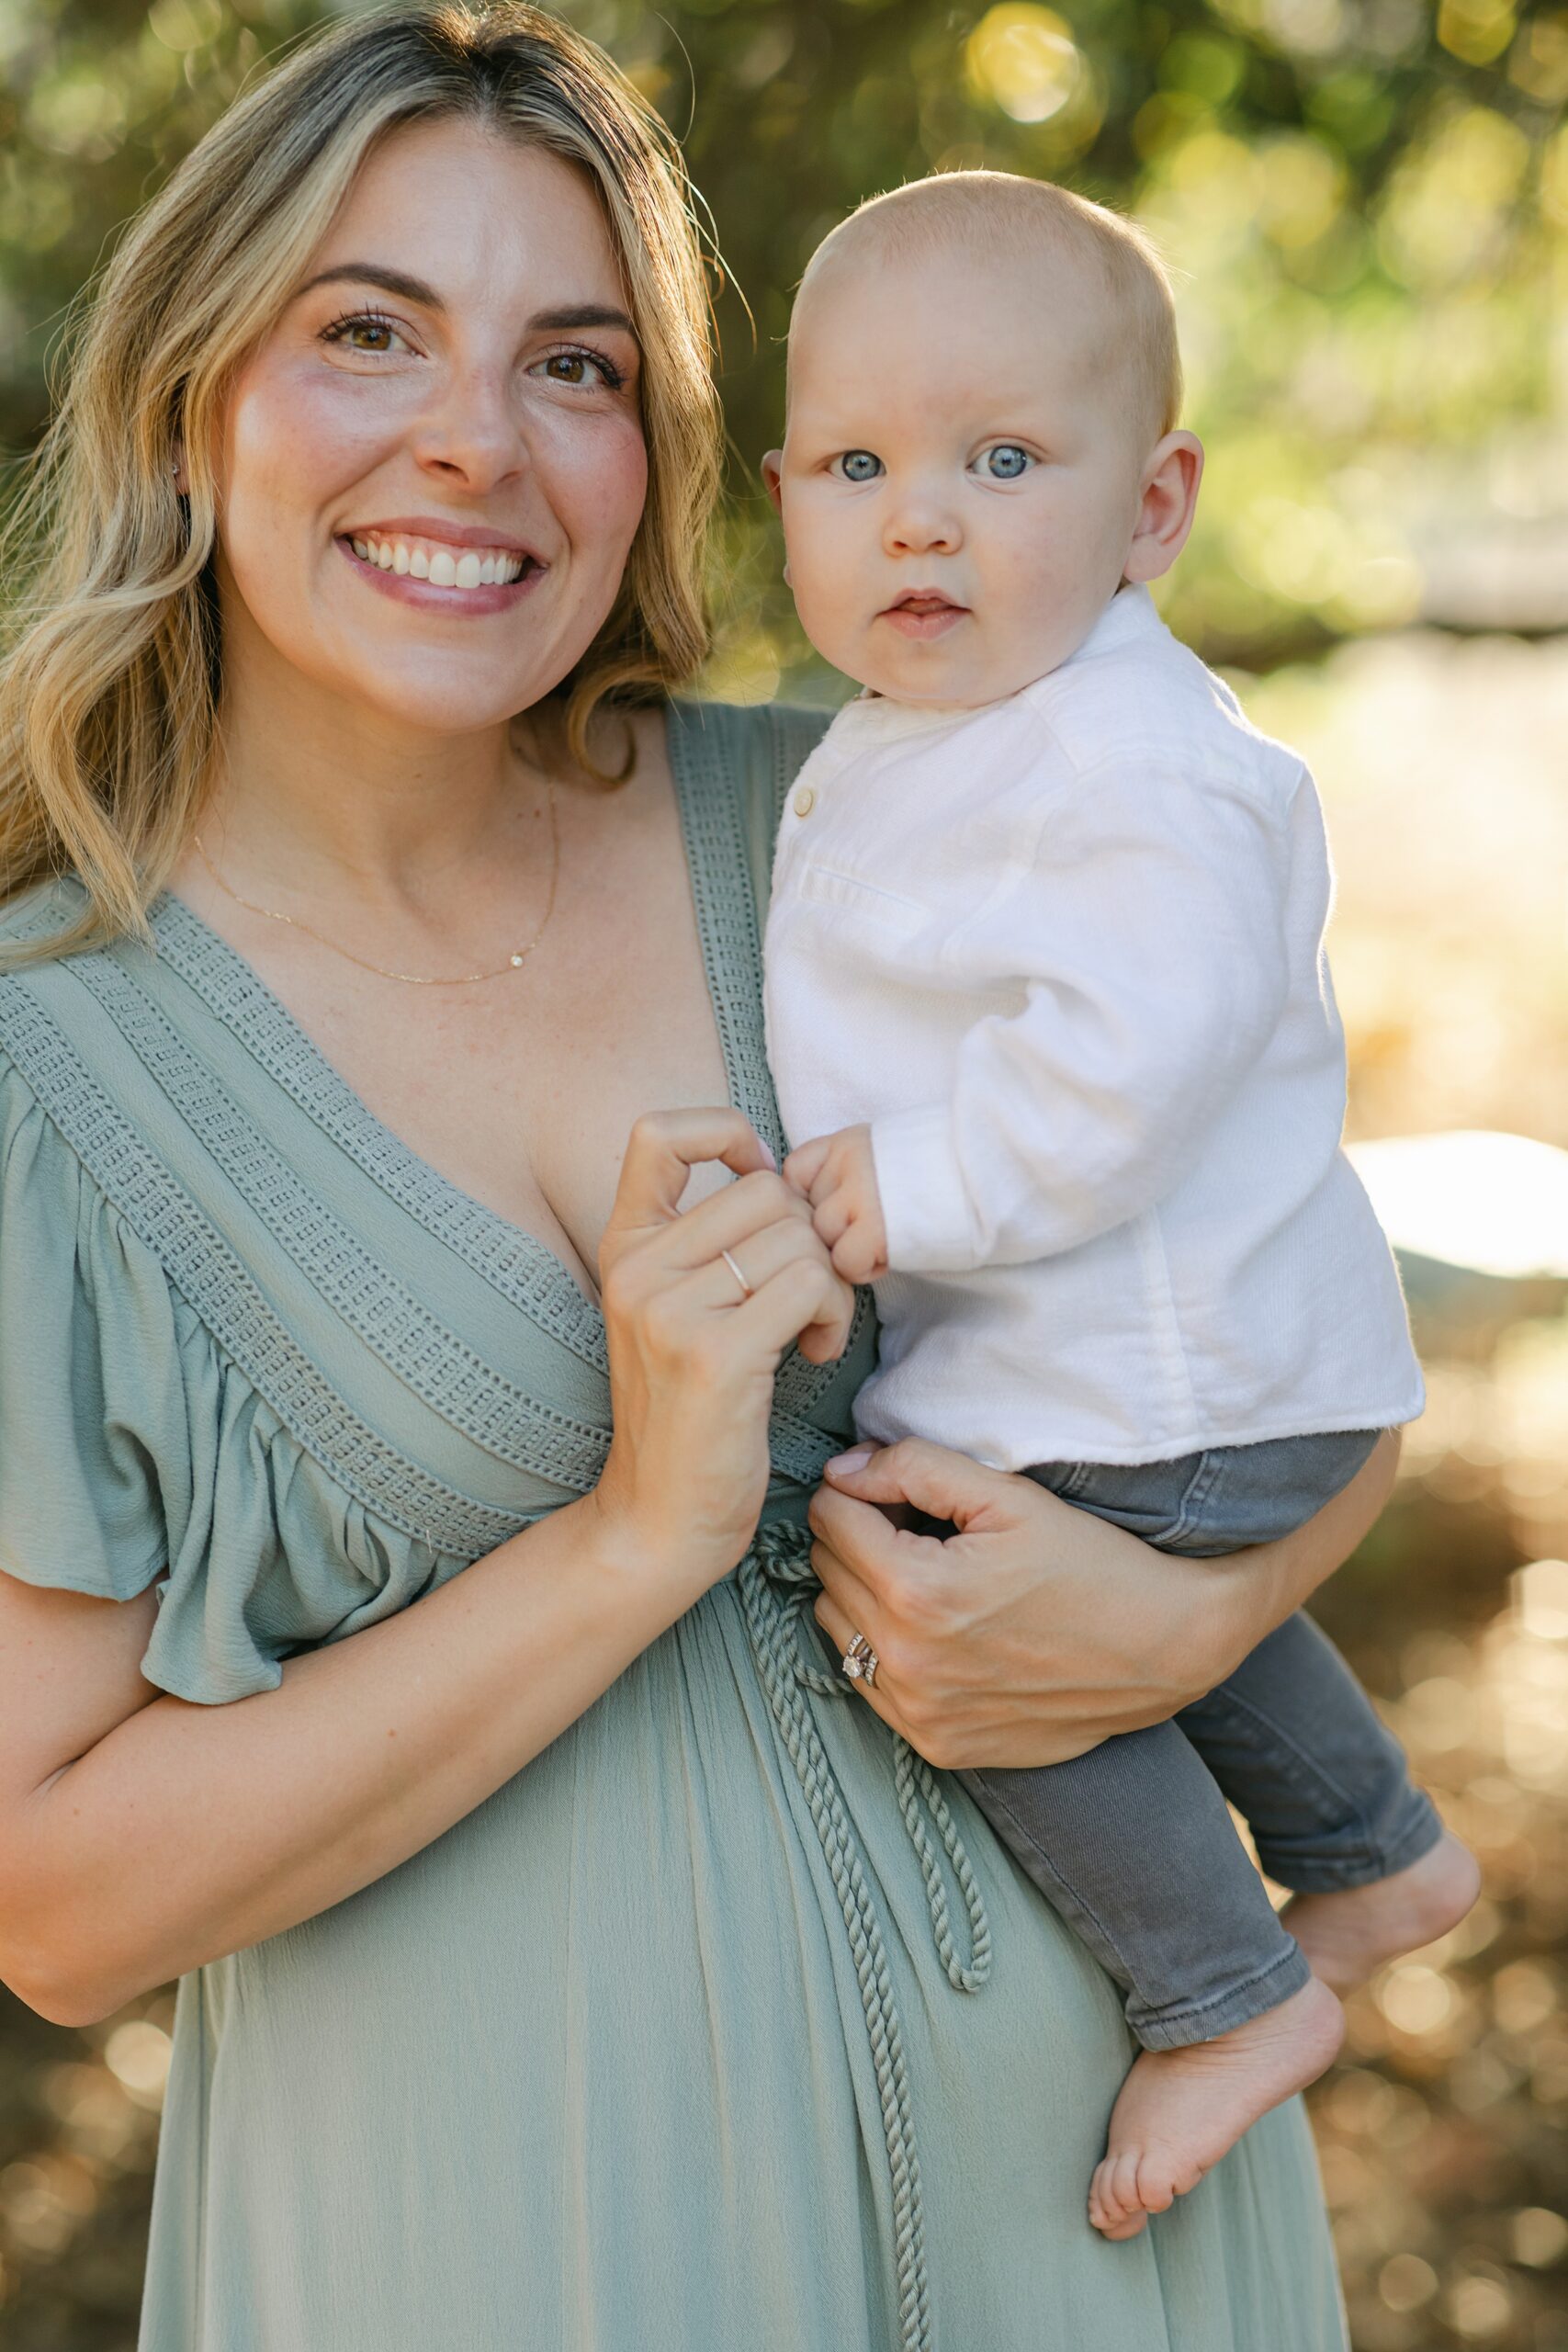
[861,1661]
[745,1285]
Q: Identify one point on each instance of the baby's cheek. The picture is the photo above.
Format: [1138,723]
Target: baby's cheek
[823,558]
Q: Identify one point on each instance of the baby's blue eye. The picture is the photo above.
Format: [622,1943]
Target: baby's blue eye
[1004,462]
[859,465]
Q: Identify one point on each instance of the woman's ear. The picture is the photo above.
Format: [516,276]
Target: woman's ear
[1170,501]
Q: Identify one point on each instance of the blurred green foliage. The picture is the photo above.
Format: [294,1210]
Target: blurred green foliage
[1367,204]
[1365,200]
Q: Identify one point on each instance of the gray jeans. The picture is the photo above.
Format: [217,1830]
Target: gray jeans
[1133,1843]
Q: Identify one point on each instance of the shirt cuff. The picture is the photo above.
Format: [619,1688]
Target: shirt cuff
[925,1201]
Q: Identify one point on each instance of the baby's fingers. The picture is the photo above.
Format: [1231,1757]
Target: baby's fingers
[806,1163]
[856,1255]
[832,1217]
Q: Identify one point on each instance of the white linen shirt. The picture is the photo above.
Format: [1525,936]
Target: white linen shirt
[1064,953]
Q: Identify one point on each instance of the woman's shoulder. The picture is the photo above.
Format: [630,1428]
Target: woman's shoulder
[38,914]
[733,763]
[139,1448]
[755,749]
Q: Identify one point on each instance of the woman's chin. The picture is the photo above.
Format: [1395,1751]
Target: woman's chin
[445,702]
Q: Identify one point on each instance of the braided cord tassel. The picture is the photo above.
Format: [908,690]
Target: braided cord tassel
[779,1556]
[914,1779]
[772,1626]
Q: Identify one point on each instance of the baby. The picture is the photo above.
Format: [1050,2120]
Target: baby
[1049,1017]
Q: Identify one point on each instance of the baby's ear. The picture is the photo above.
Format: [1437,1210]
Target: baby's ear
[1171,477]
[772,475]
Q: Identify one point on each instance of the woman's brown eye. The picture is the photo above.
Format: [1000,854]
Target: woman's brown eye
[364,332]
[568,368]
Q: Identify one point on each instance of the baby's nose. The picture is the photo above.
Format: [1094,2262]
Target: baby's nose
[922,527]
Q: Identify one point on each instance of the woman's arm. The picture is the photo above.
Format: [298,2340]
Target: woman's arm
[140,1836]
[1038,1631]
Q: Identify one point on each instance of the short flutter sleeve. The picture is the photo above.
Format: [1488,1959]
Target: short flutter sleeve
[133,1453]
[86,1339]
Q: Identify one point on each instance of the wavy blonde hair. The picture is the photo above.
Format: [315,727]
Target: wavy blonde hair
[110,695]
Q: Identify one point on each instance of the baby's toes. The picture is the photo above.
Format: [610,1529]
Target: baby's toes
[1160,2181]
[1113,2196]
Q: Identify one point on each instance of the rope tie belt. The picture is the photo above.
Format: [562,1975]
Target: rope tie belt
[777,1587]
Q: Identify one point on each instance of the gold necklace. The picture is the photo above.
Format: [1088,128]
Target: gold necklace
[411,979]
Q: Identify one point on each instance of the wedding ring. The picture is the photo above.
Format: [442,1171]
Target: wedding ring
[745,1285]
[861,1661]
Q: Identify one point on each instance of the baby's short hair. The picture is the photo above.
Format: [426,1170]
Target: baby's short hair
[995,212]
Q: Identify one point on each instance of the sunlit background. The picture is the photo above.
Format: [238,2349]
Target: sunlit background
[1367,203]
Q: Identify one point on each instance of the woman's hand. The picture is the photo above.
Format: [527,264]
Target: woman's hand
[692,1355]
[1037,1631]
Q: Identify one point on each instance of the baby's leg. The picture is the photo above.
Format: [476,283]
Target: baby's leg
[1133,1845]
[1295,1743]
[1135,1848]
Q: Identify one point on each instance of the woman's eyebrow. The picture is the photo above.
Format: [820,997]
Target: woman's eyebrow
[371,272]
[561,320]
[582,315]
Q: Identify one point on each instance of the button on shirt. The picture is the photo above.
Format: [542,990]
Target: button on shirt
[1064,953]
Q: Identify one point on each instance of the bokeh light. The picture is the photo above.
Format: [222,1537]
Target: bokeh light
[1365,204]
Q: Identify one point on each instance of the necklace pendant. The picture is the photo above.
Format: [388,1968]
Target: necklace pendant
[409,980]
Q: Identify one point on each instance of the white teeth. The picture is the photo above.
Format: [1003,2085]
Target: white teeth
[442,567]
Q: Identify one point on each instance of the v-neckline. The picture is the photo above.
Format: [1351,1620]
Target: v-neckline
[498,1246]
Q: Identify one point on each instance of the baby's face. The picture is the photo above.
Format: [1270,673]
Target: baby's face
[963,473]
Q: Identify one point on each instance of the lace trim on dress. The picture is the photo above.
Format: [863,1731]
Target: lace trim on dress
[522,1269]
[705,752]
[436,1364]
[202,1267]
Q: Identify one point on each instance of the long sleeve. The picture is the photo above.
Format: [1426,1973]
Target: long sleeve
[1148,939]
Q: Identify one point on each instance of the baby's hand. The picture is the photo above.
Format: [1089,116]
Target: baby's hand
[837,1175]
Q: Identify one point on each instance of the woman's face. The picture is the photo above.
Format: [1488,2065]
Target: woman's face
[433,468]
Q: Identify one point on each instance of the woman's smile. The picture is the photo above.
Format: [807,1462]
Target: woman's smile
[467,570]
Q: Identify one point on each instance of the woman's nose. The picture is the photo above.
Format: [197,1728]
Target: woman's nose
[473,435]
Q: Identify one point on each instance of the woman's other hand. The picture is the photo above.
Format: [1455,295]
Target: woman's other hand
[695,1340]
[1037,1631]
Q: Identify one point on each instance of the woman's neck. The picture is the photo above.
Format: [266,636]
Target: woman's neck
[313,794]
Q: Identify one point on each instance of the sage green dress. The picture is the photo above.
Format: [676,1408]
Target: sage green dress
[724,2027]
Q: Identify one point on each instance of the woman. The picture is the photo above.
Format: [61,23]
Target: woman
[571,1961]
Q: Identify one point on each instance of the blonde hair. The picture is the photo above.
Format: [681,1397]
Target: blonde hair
[110,696]
[997,211]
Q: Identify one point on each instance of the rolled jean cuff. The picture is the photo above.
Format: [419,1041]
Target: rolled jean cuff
[1180,2025]
[1419,1829]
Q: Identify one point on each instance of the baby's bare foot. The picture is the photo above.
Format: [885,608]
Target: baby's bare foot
[1181,2111]
[1349,1935]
